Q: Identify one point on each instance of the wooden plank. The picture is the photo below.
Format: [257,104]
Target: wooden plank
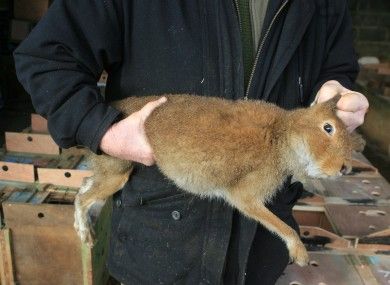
[21,196]
[63,177]
[358,220]
[6,191]
[312,216]
[363,169]
[61,195]
[17,172]
[323,269]
[38,124]
[333,240]
[46,255]
[6,263]
[312,200]
[68,161]
[40,215]
[379,266]
[357,189]
[31,143]
[39,197]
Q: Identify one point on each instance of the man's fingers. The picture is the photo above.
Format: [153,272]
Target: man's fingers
[149,107]
[329,90]
[351,120]
[352,102]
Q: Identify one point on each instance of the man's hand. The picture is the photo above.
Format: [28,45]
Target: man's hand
[351,107]
[126,139]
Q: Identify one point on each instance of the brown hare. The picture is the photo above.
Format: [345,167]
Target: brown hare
[239,151]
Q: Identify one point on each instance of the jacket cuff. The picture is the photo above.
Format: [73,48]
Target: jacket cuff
[95,124]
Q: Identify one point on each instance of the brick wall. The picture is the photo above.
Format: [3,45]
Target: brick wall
[371,25]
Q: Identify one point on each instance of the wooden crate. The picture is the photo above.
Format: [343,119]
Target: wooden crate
[68,169]
[44,246]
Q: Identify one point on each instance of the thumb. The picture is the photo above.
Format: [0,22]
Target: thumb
[149,107]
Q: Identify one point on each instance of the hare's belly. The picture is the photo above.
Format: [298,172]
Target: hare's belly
[195,184]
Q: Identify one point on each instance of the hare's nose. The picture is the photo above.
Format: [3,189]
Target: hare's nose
[344,169]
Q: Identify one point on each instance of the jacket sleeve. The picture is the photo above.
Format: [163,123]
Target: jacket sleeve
[340,62]
[60,62]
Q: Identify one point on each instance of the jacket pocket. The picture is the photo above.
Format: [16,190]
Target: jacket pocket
[160,229]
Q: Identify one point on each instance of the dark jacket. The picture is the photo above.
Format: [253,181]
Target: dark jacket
[162,235]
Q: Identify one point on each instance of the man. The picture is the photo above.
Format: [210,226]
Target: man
[296,53]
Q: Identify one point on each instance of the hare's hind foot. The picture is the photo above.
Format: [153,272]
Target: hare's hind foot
[297,251]
[82,221]
[83,224]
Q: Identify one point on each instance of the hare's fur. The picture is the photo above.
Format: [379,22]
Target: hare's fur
[241,151]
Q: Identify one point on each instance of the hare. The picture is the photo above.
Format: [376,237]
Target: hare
[240,151]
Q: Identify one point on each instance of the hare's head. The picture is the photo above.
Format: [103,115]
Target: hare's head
[321,142]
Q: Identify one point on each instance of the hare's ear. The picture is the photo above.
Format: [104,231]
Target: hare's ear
[357,141]
[331,104]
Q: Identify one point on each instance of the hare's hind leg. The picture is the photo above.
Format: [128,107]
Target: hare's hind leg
[110,175]
[244,198]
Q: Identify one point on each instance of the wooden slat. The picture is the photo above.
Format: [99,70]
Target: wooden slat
[17,172]
[6,264]
[335,241]
[63,177]
[39,197]
[38,215]
[379,266]
[38,124]
[312,216]
[358,221]
[20,196]
[31,143]
[357,189]
[326,269]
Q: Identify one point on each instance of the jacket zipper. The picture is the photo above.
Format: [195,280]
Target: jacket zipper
[261,44]
[238,15]
[300,81]
[300,84]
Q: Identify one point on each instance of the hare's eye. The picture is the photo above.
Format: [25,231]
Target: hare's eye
[328,128]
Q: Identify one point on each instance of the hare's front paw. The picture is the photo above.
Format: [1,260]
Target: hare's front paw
[298,253]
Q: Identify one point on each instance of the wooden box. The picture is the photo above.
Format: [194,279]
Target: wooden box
[43,248]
